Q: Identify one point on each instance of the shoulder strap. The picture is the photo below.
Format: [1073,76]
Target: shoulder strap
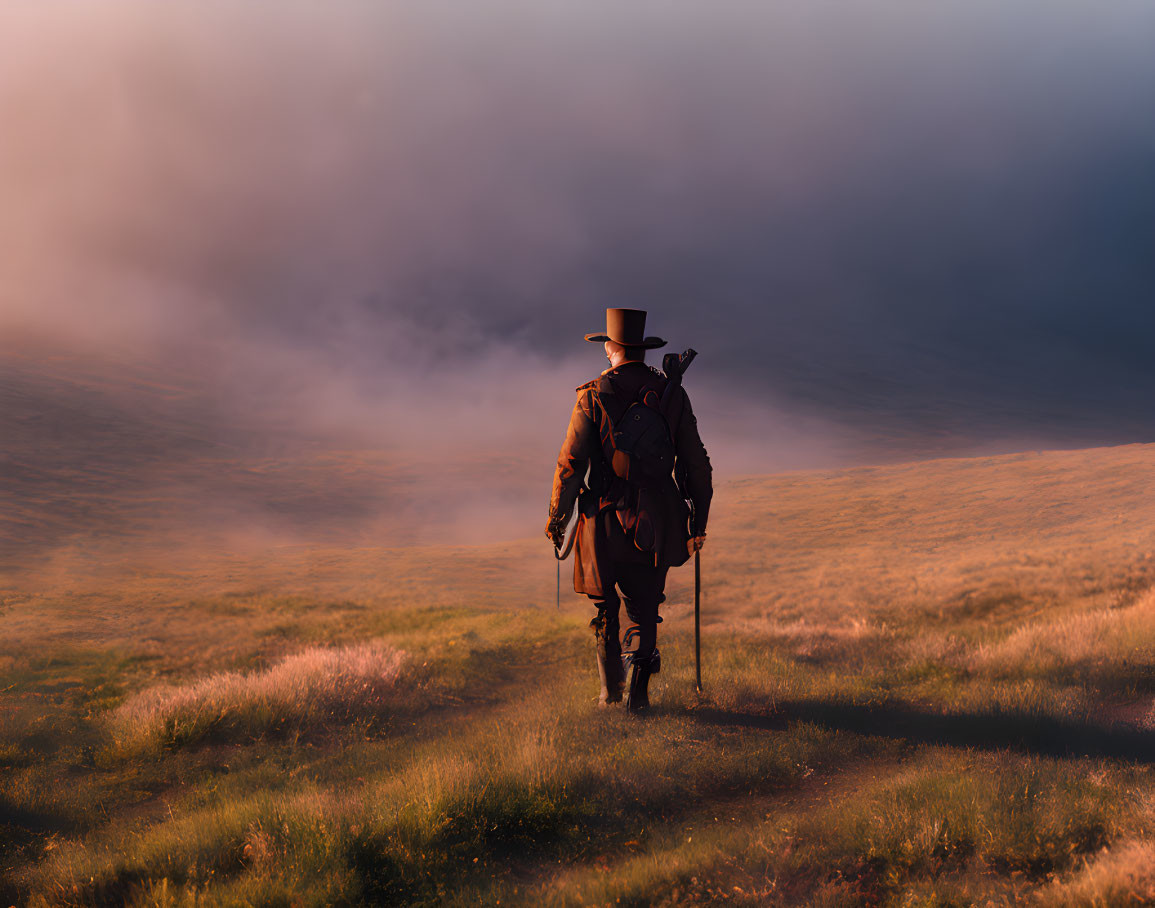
[613,406]
[600,393]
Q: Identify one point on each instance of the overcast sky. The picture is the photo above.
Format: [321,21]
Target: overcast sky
[890,228]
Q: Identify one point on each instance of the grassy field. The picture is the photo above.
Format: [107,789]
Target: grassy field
[926,684]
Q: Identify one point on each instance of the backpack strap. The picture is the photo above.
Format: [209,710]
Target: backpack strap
[604,396]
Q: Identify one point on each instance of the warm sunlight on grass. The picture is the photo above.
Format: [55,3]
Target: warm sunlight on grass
[311,687]
[924,685]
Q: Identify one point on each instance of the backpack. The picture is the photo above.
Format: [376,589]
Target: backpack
[638,447]
[643,449]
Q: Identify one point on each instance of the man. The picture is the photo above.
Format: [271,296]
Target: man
[631,498]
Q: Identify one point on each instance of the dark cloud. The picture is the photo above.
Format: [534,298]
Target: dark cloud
[890,228]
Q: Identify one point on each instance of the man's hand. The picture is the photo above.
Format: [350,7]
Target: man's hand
[695,543]
[555,531]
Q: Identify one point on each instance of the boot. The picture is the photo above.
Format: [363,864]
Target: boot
[638,700]
[611,673]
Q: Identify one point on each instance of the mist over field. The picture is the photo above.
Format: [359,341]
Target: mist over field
[326,269]
[292,298]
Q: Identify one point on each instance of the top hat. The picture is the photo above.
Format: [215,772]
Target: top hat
[628,328]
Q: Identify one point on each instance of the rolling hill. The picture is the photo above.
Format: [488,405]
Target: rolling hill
[926,683]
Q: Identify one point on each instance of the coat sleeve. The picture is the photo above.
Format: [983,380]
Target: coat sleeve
[580,444]
[692,465]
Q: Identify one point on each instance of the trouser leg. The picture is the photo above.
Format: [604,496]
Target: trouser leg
[642,589]
[611,673]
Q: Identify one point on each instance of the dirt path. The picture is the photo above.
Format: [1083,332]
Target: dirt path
[1137,714]
[815,791]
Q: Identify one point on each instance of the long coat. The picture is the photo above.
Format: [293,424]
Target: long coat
[612,513]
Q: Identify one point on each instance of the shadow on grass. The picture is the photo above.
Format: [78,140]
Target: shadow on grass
[22,835]
[504,833]
[1039,735]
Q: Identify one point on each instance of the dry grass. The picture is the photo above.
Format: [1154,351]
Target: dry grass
[1093,638]
[911,674]
[315,686]
[993,539]
[942,827]
[1123,875]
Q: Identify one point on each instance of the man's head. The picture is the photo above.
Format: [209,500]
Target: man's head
[619,353]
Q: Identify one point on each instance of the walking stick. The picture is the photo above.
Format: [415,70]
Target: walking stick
[675,366]
[698,621]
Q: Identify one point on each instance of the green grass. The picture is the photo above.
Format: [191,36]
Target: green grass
[900,709]
[523,791]
[961,826]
